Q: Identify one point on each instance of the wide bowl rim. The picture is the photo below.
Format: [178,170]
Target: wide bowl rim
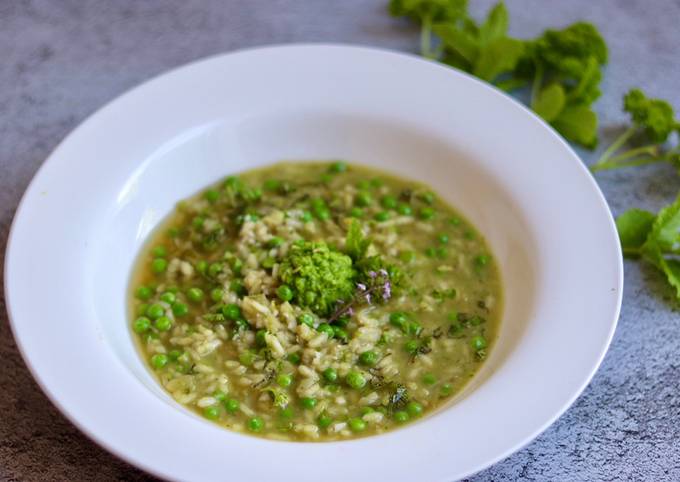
[155,469]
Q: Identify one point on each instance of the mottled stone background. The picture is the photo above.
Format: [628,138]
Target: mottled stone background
[61,60]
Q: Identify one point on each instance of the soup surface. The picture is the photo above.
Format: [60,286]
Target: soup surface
[315,301]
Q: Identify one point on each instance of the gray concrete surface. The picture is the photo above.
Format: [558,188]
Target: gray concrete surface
[62,59]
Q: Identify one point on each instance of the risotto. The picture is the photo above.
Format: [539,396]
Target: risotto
[315,301]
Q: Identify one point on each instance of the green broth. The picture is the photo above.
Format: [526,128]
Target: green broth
[229,339]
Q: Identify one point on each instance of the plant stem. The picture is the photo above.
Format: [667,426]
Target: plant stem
[652,150]
[605,166]
[536,85]
[426,38]
[616,145]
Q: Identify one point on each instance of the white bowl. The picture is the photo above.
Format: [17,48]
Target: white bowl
[93,202]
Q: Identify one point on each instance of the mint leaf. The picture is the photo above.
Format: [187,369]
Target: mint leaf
[578,123]
[634,227]
[550,102]
[665,233]
[496,24]
[459,41]
[499,56]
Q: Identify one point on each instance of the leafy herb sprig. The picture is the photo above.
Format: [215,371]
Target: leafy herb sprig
[652,124]
[562,67]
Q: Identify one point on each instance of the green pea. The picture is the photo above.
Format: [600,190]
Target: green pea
[159,252]
[308,402]
[326,328]
[232,405]
[211,195]
[366,411]
[442,253]
[342,321]
[306,217]
[216,294]
[414,409]
[195,294]
[143,293]
[155,311]
[202,266]
[237,265]
[326,178]
[159,360]
[260,338]
[340,333]
[443,238]
[401,416]
[413,328]
[398,319]
[237,287]
[285,293]
[427,213]
[284,379]
[174,355]
[306,319]
[389,202]
[168,297]
[268,262]
[141,324]
[179,309]
[478,343]
[294,358]
[214,269]
[363,199]
[376,182]
[275,242]
[197,222]
[322,214]
[404,209]
[255,424]
[411,346]
[445,390]
[429,379]
[159,265]
[356,212]
[330,374]
[364,184]
[246,358]
[271,185]
[430,252]
[211,412]
[368,358]
[482,260]
[382,216]
[286,413]
[356,425]
[219,395]
[355,380]
[324,421]
[163,323]
[231,311]
[427,197]
[338,167]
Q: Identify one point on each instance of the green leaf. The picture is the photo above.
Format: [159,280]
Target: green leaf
[655,116]
[578,123]
[496,24]
[671,267]
[588,88]
[550,102]
[513,83]
[500,56]
[355,243]
[459,41]
[634,227]
[665,234]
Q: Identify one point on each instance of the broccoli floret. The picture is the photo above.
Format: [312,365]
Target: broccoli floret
[655,116]
[319,276]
